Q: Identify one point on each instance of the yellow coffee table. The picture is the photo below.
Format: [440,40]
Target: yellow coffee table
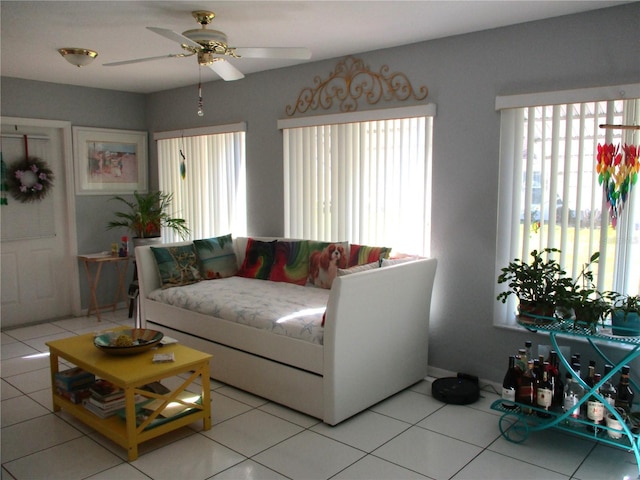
[131,373]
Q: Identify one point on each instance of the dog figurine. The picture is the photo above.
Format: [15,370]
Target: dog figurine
[324,265]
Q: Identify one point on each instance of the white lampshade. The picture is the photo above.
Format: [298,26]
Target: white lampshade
[78,56]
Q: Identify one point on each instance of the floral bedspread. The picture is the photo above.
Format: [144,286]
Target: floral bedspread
[281,308]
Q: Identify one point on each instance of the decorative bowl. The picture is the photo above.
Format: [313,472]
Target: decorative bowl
[127,342]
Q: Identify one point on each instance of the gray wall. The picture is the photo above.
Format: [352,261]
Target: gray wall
[87,107]
[464,74]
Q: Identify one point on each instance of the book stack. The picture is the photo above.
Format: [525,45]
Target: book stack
[73,384]
[105,399]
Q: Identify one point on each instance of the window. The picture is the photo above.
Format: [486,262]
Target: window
[550,194]
[364,178]
[212,195]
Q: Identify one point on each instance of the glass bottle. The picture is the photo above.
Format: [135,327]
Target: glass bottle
[607,390]
[510,385]
[573,393]
[526,393]
[624,398]
[589,380]
[595,408]
[544,394]
[556,380]
[522,360]
[124,247]
[527,349]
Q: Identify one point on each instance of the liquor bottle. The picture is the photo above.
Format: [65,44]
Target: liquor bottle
[510,385]
[595,408]
[624,398]
[527,349]
[544,394]
[526,393]
[607,390]
[522,360]
[556,380]
[573,393]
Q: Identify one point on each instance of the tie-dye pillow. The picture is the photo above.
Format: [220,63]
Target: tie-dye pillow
[258,259]
[363,254]
[291,262]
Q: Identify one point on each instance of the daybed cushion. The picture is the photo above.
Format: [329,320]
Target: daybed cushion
[325,258]
[358,268]
[217,257]
[291,262]
[363,254]
[258,259]
[177,265]
[278,307]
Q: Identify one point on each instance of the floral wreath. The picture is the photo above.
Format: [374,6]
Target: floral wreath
[30,179]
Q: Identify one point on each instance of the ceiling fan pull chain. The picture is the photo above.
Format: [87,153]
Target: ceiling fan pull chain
[200,110]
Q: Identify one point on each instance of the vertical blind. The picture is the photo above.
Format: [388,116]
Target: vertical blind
[365,182]
[550,195]
[212,196]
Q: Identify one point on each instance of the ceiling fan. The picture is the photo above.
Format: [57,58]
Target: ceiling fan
[211,48]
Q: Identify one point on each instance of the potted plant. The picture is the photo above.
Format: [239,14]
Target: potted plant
[582,301]
[536,284]
[625,315]
[147,214]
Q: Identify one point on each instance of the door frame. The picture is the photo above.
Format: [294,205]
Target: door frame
[71,252]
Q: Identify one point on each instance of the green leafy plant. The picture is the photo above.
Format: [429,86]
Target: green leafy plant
[537,284]
[583,301]
[147,214]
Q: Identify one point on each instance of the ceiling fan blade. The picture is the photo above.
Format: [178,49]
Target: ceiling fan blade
[176,37]
[274,52]
[226,71]
[147,59]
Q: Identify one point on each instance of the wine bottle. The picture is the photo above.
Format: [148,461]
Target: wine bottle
[595,408]
[624,398]
[608,391]
[589,380]
[526,393]
[510,385]
[556,380]
[544,394]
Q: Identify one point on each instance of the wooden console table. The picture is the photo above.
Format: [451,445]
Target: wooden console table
[99,259]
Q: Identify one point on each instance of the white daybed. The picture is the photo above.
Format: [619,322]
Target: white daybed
[375,339]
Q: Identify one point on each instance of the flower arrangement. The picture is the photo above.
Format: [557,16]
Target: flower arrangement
[30,179]
[617,168]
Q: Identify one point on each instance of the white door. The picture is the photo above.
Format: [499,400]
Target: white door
[38,248]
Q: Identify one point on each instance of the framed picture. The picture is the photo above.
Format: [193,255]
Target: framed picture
[109,161]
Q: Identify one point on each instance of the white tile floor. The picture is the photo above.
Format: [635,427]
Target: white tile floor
[410,435]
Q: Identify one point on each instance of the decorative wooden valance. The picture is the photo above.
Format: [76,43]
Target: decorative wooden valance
[349,82]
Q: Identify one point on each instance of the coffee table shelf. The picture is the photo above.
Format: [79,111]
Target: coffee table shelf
[131,373]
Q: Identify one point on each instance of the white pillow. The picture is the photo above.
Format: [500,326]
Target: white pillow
[387,262]
[357,268]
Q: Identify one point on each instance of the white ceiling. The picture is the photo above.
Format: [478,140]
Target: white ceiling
[31,32]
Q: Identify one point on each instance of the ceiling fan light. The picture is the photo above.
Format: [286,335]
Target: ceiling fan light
[202,36]
[79,57]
